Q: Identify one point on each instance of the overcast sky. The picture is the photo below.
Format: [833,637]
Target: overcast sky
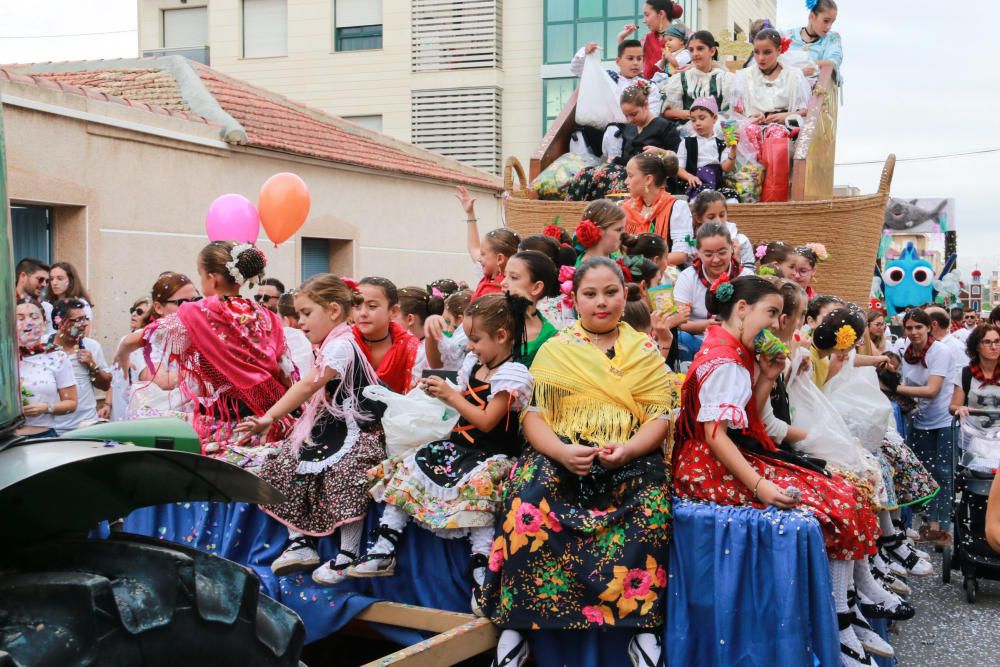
[919,80]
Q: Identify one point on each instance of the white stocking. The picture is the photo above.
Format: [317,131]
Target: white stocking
[393,518]
[350,540]
[840,576]
[870,588]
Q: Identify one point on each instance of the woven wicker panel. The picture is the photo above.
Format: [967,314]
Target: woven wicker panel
[849,227]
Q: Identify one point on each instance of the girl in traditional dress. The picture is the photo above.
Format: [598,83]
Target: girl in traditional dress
[767,91]
[817,43]
[583,536]
[706,78]
[644,132]
[453,487]
[445,343]
[724,455]
[532,276]
[389,348]
[651,209]
[229,352]
[416,305]
[715,258]
[322,468]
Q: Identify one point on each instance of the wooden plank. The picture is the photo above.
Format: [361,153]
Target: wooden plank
[447,648]
[815,148]
[417,618]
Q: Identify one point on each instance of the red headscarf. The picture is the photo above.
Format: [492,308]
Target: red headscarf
[397,364]
[238,344]
[720,347]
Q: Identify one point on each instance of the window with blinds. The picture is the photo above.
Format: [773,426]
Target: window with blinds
[315,257]
[265,28]
[460,123]
[185,27]
[357,25]
[455,34]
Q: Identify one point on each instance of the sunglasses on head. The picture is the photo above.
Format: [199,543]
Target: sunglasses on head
[181,302]
[263,298]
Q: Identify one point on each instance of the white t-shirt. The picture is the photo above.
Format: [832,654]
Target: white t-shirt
[42,376]
[301,350]
[958,355]
[689,290]
[933,412]
[962,335]
[86,400]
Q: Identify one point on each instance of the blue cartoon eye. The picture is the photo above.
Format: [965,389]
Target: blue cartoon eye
[894,276]
[923,276]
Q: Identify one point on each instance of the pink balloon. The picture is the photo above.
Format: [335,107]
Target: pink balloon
[232,218]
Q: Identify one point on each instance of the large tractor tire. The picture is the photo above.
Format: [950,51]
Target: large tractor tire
[132,600]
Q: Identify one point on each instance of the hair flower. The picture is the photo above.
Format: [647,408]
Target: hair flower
[846,338]
[587,233]
[231,265]
[566,289]
[766,271]
[760,251]
[554,229]
[811,4]
[351,283]
[722,288]
[820,250]
[626,271]
[786,42]
[566,273]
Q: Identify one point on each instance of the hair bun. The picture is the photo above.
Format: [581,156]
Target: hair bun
[632,293]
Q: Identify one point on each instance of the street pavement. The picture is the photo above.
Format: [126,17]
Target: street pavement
[947,630]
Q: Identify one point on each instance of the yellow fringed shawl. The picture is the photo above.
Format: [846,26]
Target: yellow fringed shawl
[586,397]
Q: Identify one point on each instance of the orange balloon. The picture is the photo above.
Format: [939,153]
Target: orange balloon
[283,205]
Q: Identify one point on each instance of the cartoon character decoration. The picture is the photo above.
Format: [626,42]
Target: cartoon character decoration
[904,216]
[909,281]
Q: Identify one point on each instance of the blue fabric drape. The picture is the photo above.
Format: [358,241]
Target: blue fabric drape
[746,587]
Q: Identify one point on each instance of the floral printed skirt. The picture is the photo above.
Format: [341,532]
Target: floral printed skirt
[849,524]
[597,183]
[579,552]
[443,486]
[220,442]
[320,502]
[912,483]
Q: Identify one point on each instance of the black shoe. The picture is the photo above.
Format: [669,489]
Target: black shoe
[516,657]
[904,611]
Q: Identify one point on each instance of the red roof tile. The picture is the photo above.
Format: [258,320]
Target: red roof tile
[271,121]
[288,127]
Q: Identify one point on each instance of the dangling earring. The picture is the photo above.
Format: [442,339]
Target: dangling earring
[741,331]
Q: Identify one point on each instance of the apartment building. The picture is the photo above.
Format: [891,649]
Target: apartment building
[474,80]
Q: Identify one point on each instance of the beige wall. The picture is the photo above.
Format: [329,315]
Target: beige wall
[130,205]
[363,83]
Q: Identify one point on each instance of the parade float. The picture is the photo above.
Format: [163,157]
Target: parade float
[850,227]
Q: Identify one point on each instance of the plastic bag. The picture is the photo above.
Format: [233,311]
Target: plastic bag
[855,393]
[411,420]
[597,101]
[747,180]
[774,157]
[554,179]
[828,437]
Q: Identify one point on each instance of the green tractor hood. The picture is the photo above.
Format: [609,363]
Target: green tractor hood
[69,485]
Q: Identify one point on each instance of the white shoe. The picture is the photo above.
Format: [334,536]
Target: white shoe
[912,534]
[871,640]
[923,568]
[373,567]
[852,652]
[300,555]
[920,552]
[897,570]
[645,650]
[334,571]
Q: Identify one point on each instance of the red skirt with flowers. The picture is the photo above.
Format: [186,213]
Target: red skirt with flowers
[848,523]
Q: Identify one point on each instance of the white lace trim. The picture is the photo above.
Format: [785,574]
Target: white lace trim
[431,488]
[736,416]
[314,467]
